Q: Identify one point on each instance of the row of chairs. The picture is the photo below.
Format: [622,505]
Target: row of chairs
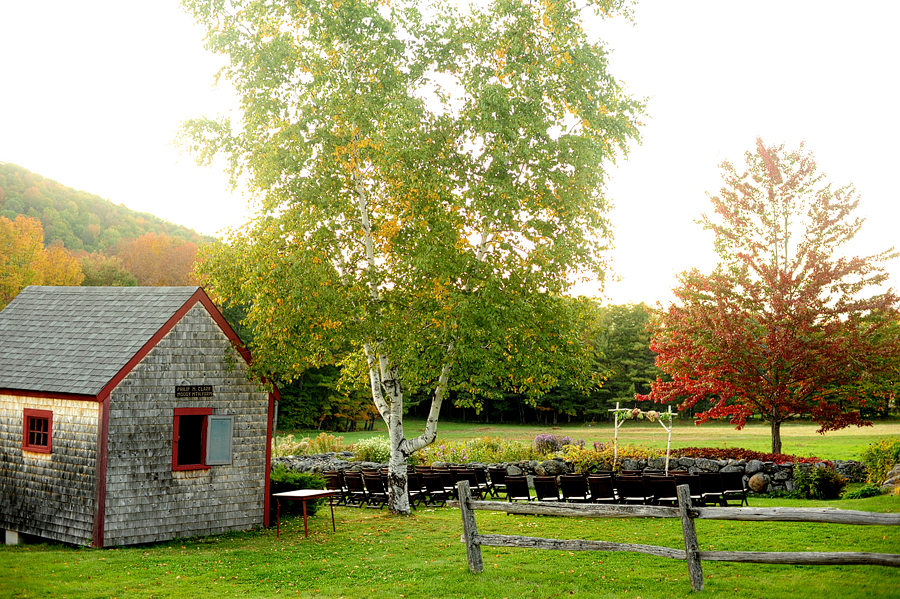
[638,489]
[425,485]
[435,486]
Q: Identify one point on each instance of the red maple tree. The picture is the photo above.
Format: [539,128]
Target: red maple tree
[779,329]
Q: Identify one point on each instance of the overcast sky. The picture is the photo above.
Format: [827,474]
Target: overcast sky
[92,93]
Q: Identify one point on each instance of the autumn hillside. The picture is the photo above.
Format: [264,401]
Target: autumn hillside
[81,221]
[51,234]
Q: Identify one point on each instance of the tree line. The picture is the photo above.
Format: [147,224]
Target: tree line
[51,234]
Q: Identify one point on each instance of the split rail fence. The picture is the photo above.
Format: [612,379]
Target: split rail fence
[687,514]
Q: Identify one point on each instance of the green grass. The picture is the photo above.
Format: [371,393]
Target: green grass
[798,438]
[374,554]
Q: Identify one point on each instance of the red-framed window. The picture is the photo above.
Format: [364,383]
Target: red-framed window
[189,438]
[37,430]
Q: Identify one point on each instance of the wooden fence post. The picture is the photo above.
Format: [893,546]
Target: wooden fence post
[470,530]
[691,548]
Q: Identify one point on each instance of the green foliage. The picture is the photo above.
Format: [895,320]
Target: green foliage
[818,482]
[422,244]
[282,479]
[77,219]
[622,340]
[880,457]
[101,270]
[862,492]
[318,399]
[484,450]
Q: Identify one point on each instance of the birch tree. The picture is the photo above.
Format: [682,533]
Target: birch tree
[430,182]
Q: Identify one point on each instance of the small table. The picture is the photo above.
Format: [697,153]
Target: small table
[303,495]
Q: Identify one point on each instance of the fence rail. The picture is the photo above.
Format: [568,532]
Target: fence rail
[691,553]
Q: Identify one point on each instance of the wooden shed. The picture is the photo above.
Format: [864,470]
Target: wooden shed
[126,417]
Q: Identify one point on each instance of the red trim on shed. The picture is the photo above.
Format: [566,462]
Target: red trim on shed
[37,430]
[269,433]
[200,443]
[100,472]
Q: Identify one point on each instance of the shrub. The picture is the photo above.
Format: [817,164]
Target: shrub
[818,482]
[374,449]
[548,444]
[880,457]
[862,492]
[324,443]
[738,453]
[600,457]
[281,479]
[485,450]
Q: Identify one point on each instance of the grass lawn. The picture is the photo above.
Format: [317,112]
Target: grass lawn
[798,438]
[375,555]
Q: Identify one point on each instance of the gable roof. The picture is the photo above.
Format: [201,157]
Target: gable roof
[75,340]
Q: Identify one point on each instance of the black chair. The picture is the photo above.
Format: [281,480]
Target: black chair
[376,489]
[484,483]
[601,488]
[733,487]
[630,489]
[356,488]
[498,480]
[711,488]
[434,486]
[414,488]
[546,488]
[517,489]
[335,482]
[447,479]
[661,489]
[693,483]
[468,475]
[574,488]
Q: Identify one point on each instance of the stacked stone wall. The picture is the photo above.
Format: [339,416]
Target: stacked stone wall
[770,477]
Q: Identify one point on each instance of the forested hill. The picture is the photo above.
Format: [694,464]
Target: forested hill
[81,220]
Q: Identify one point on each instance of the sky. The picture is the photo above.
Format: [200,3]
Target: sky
[92,94]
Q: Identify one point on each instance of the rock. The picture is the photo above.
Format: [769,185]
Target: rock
[686,462]
[783,475]
[657,463]
[758,483]
[513,470]
[753,466]
[708,465]
[735,467]
[893,474]
[551,468]
[629,464]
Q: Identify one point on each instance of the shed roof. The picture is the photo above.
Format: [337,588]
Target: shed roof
[76,339]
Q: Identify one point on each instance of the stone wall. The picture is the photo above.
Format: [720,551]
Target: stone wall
[766,477]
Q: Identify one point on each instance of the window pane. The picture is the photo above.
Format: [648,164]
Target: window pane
[219,435]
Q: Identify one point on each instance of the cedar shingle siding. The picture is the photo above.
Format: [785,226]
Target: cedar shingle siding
[57,341]
[145,500]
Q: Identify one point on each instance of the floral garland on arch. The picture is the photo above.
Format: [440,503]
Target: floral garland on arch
[623,414]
